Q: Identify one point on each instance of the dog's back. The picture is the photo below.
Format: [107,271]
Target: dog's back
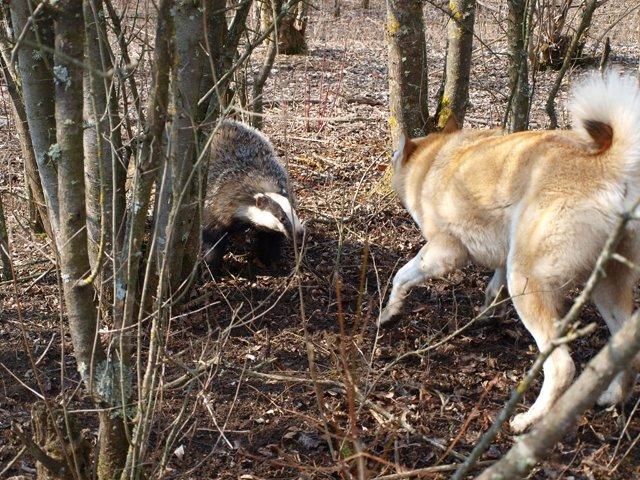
[570,185]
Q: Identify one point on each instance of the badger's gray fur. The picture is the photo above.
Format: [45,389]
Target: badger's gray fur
[247,187]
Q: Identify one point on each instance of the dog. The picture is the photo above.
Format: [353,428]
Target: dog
[537,207]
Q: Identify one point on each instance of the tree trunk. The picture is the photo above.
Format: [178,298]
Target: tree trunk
[259,80]
[104,169]
[63,453]
[35,67]
[5,260]
[518,25]
[150,150]
[223,41]
[458,65]
[34,186]
[585,21]
[408,82]
[291,32]
[292,26]
[97,371]
[149,153]
[216,34]
[185,83]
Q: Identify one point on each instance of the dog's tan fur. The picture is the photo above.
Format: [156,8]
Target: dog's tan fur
[535,206]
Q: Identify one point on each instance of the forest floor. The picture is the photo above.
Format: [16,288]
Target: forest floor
[259,329]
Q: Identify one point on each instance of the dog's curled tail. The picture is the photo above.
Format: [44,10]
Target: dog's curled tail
[605,110]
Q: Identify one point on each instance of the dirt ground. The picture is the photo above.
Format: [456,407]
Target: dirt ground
[258,413]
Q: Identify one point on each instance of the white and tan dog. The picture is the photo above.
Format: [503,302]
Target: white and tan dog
[535,206]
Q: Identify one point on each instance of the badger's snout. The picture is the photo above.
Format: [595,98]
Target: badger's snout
[298,233]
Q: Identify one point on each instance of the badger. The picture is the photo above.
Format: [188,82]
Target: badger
[247,189]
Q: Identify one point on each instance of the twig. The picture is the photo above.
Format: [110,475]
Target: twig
[427,471]
[12,462]
[54,466]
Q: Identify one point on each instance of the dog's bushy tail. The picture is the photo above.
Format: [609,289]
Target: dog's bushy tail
[605,109]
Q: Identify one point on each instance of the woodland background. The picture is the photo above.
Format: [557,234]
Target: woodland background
[262,374]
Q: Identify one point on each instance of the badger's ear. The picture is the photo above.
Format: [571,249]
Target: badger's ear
[262,201]
[452,124]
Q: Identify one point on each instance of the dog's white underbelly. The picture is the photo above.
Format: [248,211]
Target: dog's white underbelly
[487,245]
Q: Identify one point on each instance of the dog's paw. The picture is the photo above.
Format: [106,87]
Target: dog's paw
[521,422]
[387,316]
[615,393]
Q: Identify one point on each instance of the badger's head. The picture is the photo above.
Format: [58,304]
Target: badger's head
[274,212]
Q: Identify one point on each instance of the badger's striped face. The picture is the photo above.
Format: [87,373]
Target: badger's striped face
[274,212]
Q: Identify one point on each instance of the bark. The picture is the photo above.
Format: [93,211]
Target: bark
[148,156]
[149,151]
[408,92]
[34,66]
[216,31]
[34,188]
[291,25]
[68,154]
[518,26]
[224,41]
[37,207]
[291,32]
[260,79]
[617,355]
[58,447]
[104,169]
[585,21]
[5,260]
[97,372]
[458,63]
[186,78]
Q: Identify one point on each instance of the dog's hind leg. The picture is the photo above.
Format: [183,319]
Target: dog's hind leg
[614,298]
[538,307]
[441,255]
[496,292]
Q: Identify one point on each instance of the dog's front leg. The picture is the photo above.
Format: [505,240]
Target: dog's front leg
[442,254]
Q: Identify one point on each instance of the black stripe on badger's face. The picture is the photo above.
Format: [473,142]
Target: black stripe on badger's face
[273,212]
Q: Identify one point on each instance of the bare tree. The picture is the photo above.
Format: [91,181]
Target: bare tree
[105,171]
[519,28]
[127,250]
[5,260]
[291,26]
[186,79]
[33,186]
[585,21]
[408,69]
[458,61]
[36,75]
